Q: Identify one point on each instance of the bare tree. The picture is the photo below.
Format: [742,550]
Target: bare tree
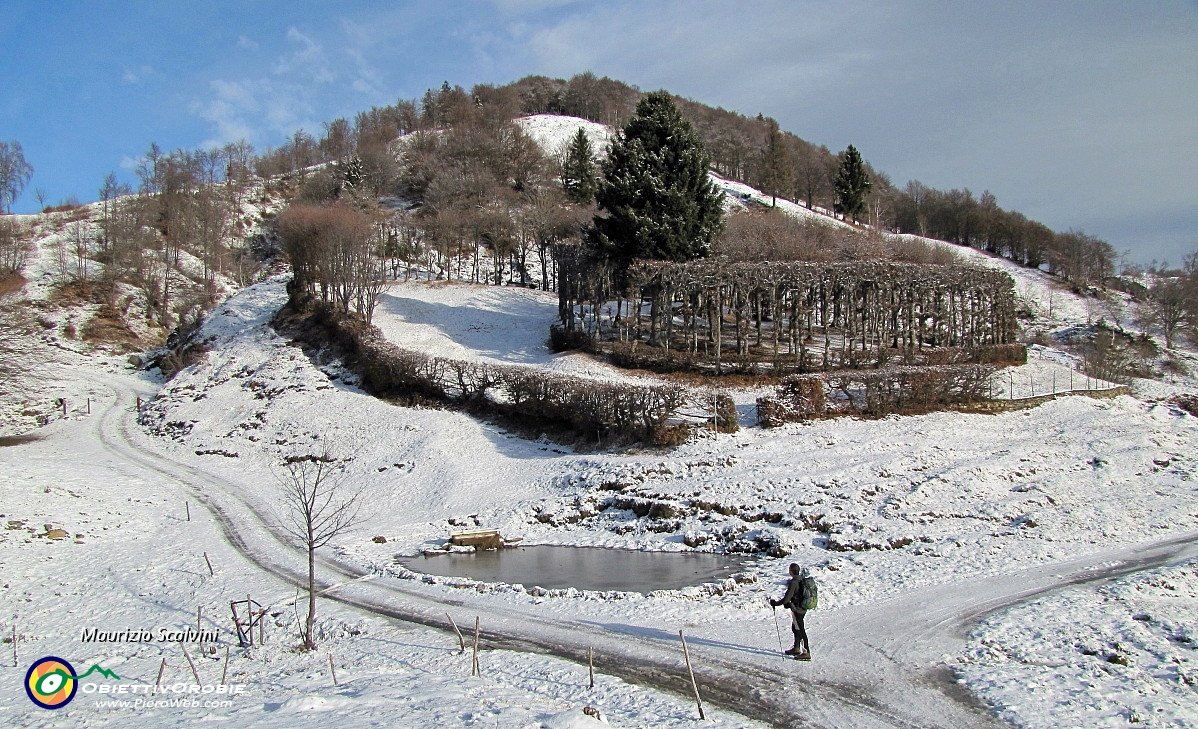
[21,355]
[1167,306]
[318,506]
[14,248]
[14,173]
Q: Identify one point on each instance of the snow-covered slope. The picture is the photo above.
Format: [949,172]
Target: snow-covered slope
[136,557]
[1117,655]
[878,508]
[552,132]
[898,518]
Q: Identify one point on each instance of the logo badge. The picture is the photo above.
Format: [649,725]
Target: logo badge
[51,683]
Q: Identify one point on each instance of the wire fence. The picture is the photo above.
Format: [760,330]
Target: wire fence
[1048,377]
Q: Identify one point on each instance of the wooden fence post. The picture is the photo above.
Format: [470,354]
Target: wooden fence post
[194,673]
[210,572]
[686,654]
[225,671]
[332,669]
[474,670]
[461,640]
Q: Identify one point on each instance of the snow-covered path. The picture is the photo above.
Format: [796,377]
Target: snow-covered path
[877,665]
[138,562]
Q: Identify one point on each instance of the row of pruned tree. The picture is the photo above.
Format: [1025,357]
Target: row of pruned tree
[797,315]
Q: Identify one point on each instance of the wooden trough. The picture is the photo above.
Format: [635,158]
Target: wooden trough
[481,539]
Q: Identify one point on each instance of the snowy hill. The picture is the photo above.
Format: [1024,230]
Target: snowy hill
[879,508]
[552,132]
[915,528]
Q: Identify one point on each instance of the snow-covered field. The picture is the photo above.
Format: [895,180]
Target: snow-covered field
[133,560]
[1037,522]
[1111,656]
[878,508]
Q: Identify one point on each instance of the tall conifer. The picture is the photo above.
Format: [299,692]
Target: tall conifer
[777,168]
[578,170]
[659,201]
[852,184]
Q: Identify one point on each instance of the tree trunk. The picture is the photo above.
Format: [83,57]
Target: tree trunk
[309,624]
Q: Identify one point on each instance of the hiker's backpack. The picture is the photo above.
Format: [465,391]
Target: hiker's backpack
[809,596]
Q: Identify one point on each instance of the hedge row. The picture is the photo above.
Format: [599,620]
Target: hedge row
[586,405]
[875,393]
[1000,354]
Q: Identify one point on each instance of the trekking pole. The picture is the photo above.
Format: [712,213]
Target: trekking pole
[777,630]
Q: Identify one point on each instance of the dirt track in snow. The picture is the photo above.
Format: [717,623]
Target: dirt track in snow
[876,665]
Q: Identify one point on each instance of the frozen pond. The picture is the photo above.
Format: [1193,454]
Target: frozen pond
[584,568]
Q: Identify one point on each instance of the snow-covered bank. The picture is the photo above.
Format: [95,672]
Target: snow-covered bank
[1120,654]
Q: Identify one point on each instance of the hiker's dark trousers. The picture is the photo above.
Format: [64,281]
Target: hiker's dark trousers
[800,633]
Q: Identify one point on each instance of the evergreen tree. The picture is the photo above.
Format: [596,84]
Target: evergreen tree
[351,173]
[777,169]
[852,184]
[659,201]
[578,170]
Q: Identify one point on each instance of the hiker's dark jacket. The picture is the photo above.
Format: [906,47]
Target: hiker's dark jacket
[793,598]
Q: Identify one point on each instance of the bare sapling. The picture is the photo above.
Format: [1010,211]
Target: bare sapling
[194,673]
[318,505]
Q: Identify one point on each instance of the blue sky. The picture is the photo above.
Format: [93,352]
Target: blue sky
[1079,113]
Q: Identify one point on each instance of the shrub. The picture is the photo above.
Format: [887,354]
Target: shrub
[585,405]
[726,418]
[15,249]
[564,340]
[669,435]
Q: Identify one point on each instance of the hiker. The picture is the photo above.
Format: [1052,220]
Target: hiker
[799,598]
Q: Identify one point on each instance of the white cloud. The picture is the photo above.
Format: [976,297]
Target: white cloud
[283,96]
[366,78]
[254,109]
[309,60]
[136,75]
[520,7]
